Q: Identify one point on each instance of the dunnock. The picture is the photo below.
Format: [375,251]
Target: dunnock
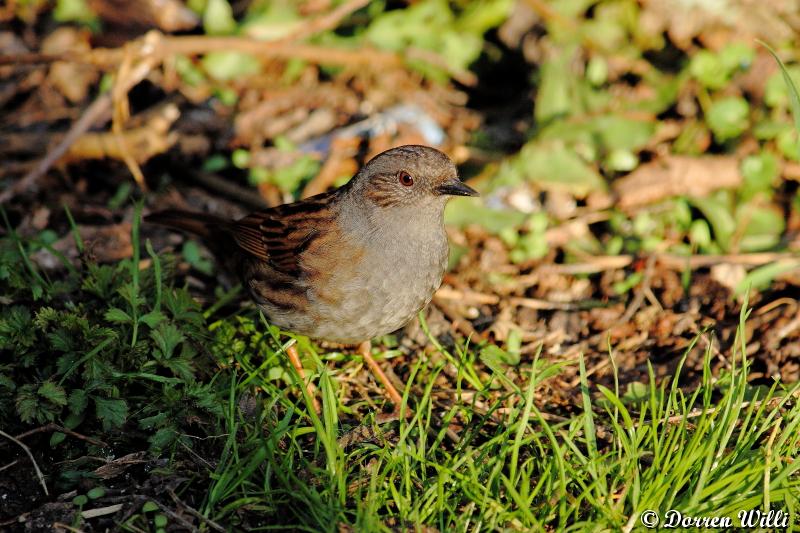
[346,265]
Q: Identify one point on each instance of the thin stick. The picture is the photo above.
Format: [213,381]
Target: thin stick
[193,512]
[458,322]
[325,22]
[694,413]
[57,526]
[9,465]
[30,456]
[537,303]
[166,510]
[55,427]
[467,297]
[99,109]
[228,188]
[638,299]
[101,511]
[602,263]
[768,461]
[190,45]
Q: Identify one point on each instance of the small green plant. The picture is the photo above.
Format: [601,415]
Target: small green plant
[103,342]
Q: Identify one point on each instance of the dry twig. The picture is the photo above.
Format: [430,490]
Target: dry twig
[326,22]
[55,427]
[30,456]
[96,112]
[213,525]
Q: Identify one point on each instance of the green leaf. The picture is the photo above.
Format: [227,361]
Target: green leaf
[151,422]
[760,172]
[621,287]
[717,211]
[552,166]
[15,329]
[27,406]
[762,277]
[229,65]
[714,70]
[462,212]
[794,95]
[95,493]
[166,337]
[194,256]
[760,227]
[636,392]
[7,383]
[62,340]
[57,438]
[700,233]
[111,412]
[218,18]
[53,393]
[621,133]
[162,438]
[728,118]
[492,355]
[74,11]
[181,367]
[432,25]
[30,406]
[533,244]
[78,400]
[622,161]
[606,132]
[789,144]
[707,68]
[737,56]
[273,20]
[153,318]
[556,95]
[117,315]
[288,178]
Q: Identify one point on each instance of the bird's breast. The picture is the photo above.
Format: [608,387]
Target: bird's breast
[380,288]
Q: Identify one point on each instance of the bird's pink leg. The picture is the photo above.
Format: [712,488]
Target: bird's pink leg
[364,349]
[294,357]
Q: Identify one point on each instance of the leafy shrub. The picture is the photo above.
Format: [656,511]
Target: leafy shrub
[104,342]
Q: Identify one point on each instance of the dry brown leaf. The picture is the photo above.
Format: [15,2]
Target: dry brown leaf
[167,15]
[72,79]
[117,466]
[728,275]
[717,22]
[341,162]
[152,138]
[675,176]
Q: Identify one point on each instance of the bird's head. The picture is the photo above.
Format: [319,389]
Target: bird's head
[410,176]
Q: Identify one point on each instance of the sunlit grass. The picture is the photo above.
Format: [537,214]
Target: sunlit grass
[722,448]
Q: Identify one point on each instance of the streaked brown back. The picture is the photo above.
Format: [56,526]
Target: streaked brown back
[281,234]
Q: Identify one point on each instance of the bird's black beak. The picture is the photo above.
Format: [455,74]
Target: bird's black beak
[456,187]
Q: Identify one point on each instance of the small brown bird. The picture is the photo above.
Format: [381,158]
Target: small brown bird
[347,265]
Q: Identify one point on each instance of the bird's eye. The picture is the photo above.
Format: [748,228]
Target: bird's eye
[405,178]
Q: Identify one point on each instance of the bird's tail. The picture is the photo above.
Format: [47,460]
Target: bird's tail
[200,224]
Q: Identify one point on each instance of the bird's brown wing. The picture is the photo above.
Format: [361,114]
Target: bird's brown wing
[281,234]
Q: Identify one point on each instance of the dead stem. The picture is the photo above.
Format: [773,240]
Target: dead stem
[55,427]
[30,456]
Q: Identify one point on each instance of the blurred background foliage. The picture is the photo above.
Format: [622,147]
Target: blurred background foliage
[586,92]
[616,87]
